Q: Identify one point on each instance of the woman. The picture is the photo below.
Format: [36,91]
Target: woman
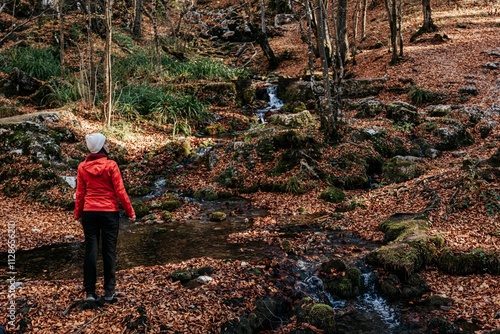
[99,188]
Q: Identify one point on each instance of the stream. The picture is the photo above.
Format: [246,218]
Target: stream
[147,245]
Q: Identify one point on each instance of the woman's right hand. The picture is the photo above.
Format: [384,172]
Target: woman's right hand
[131,219]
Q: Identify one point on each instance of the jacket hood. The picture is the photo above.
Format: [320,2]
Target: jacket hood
[95,164]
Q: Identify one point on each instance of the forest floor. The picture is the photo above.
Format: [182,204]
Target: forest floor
[472,29]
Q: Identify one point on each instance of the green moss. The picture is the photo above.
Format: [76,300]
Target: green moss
[319,315]
[332,194]
[170,205]
[398,230]
[474,262]
[166,215]
[214,129]
[181,275]
[140,208]
[286,245]
[217,216]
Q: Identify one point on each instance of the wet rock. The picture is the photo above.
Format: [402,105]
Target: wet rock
[438,301]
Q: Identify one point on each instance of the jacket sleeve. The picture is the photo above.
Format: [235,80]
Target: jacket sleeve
[121,193]
[81,190]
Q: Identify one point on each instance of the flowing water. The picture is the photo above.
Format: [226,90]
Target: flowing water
[274,103]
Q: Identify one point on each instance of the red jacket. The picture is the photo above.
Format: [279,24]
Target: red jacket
[99,187]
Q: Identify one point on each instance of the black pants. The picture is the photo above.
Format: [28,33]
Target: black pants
[96,225]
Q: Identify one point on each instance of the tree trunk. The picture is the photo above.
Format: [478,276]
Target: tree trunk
[92,74]
[61,35]
[355,31]
[108,94]
[391,8]
[428,23]
[400,27]
[155,31]
[263,40]
[363,20]
[137,28]
[342,30]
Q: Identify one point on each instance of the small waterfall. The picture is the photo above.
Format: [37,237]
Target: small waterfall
[371,301]
[371,309]
[274,103]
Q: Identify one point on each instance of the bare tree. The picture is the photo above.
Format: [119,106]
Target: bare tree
[343,43]
[394,8]
[137,26]
[363,19]
[428,25]
[60,16]
[108,90]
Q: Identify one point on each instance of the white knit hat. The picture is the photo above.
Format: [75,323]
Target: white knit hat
[95,141]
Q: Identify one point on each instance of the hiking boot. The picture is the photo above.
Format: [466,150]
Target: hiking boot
[91,297]
[109,295]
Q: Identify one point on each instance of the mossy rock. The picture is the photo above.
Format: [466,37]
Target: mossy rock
[333,195]
[181,275]
[181,149]
[214,129]
[400,169]
[206,194]
[230,178]
[415,287]
[140,208]
[348,286]
[139,191]
[466,263]
[170,205]
[286,245]
[390,287]
[166,215]
[265,149]
[217,216]
[403,227]
[294,107]
[403,259]
[319,315]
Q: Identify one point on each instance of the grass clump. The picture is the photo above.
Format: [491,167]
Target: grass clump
[421,96]
[38,62]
